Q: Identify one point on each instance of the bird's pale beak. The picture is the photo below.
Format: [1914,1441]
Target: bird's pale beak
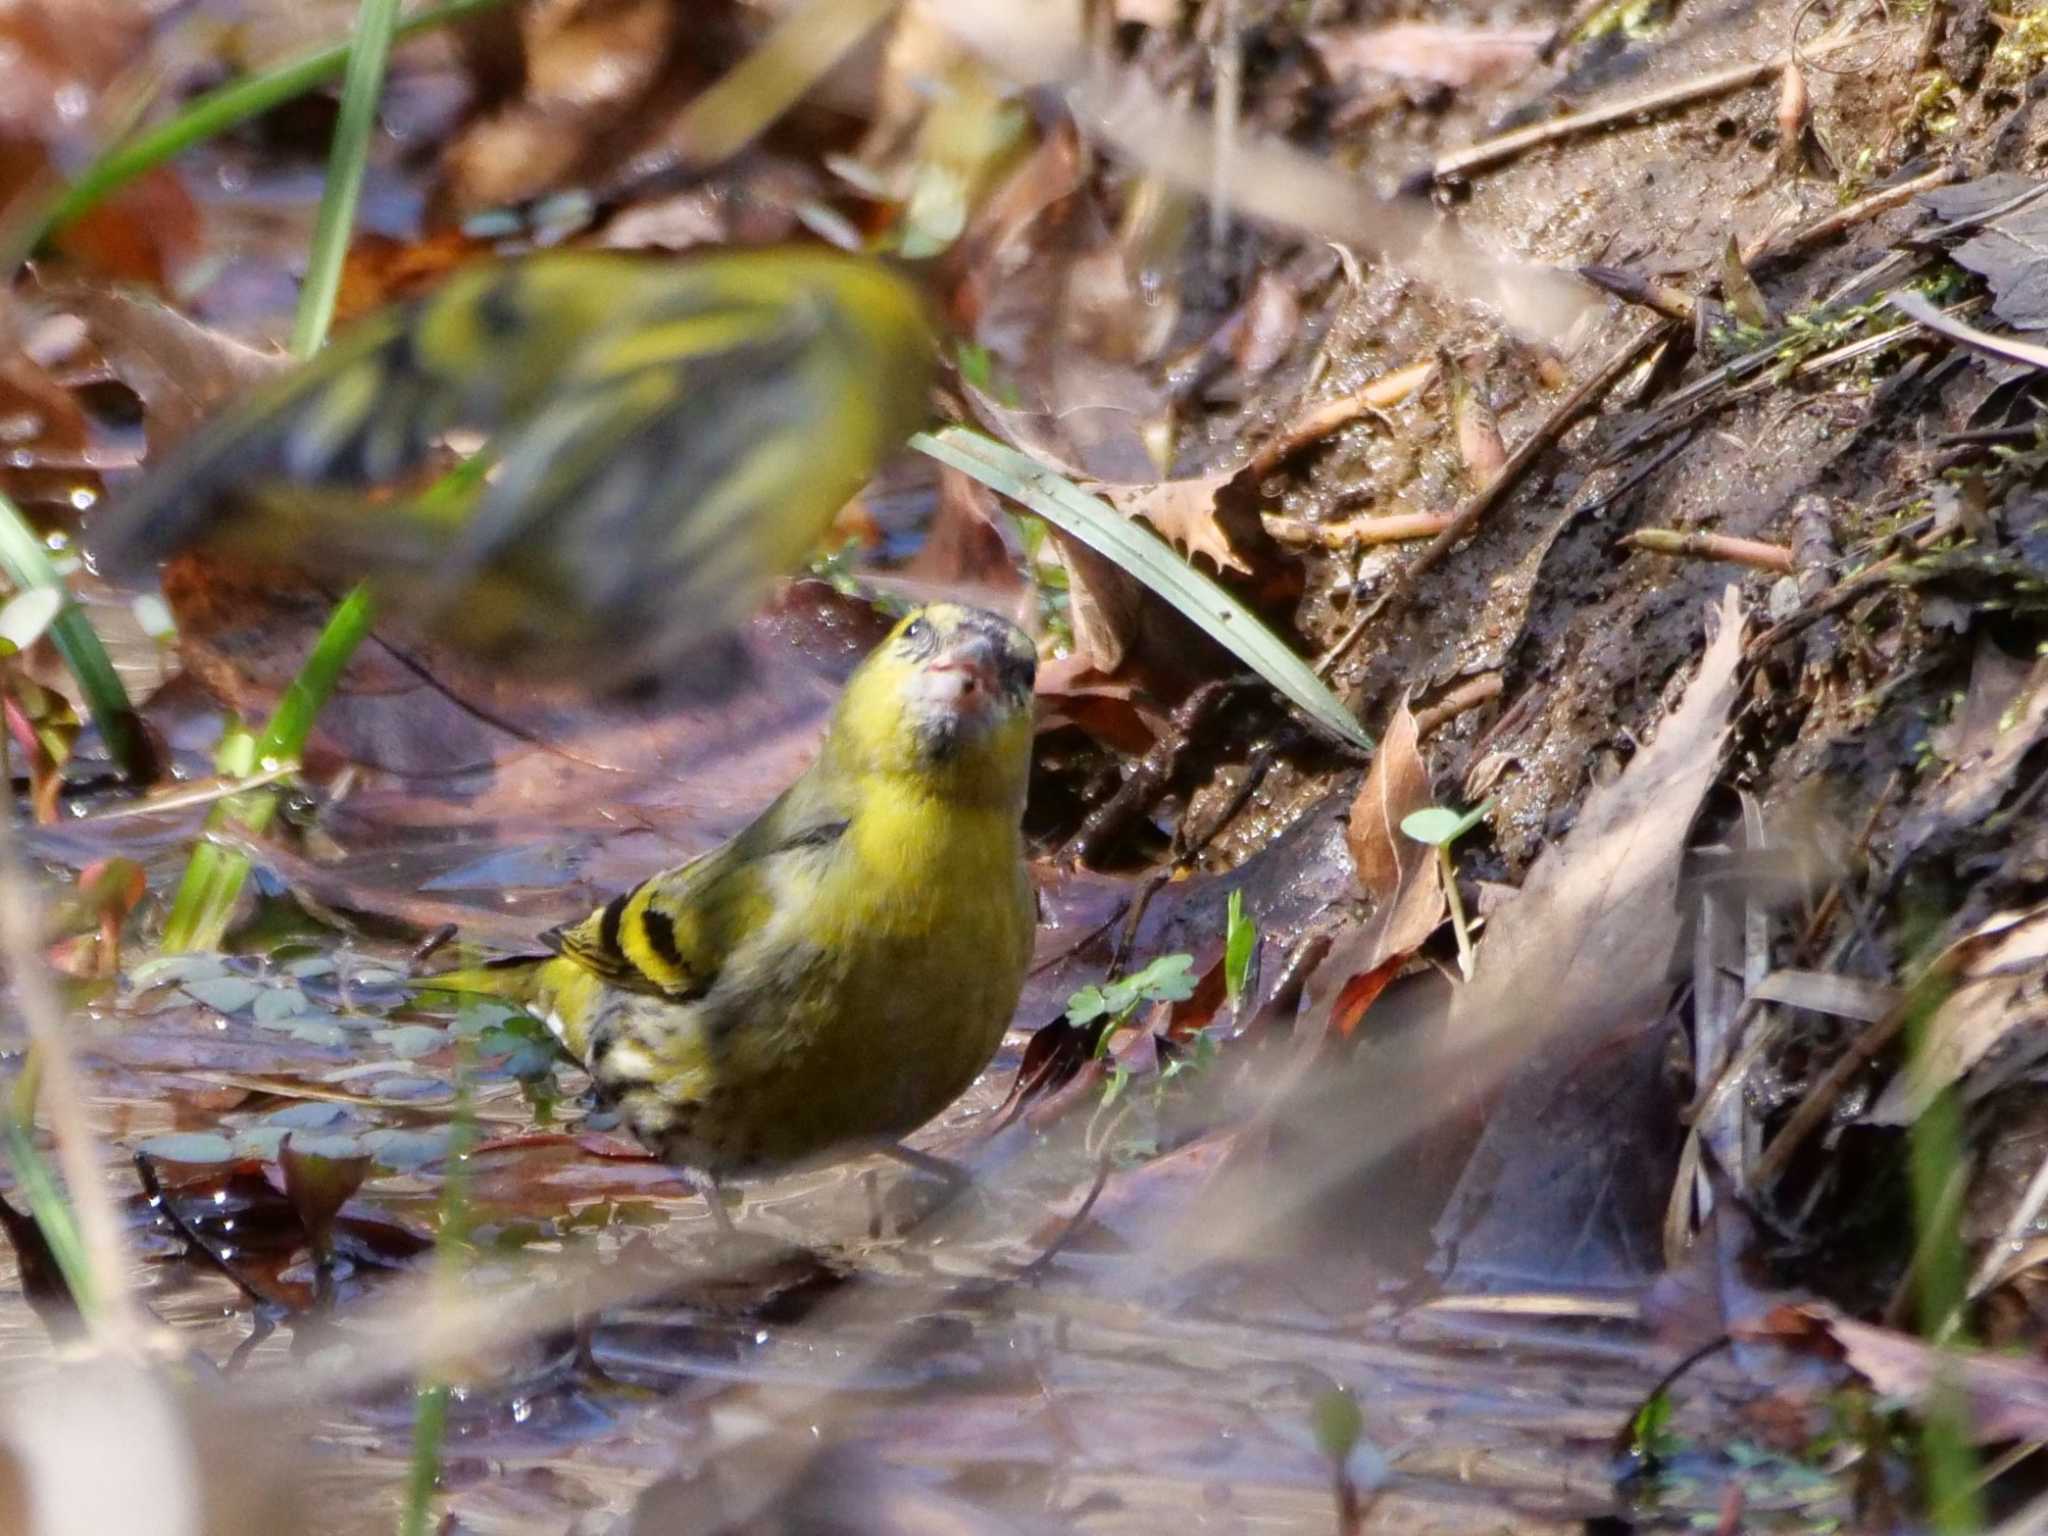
[967,670]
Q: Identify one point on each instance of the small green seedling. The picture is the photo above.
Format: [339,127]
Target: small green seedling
[1169,979]
[1439,826]
[1240,949]
[1337,1422]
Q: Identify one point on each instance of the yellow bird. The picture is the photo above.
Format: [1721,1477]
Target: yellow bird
[842,970]
[651,441]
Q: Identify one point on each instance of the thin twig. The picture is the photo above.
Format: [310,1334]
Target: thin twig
[1575,405]
[1468,695]
[1769,249]
[1711,546]
[1357,532]
[1037,1267]
[1319,421]
[1664,98]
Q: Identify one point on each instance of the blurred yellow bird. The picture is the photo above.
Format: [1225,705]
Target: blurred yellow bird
[843,969]
[649,441]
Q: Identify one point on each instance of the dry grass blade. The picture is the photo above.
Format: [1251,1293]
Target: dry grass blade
[2005,348]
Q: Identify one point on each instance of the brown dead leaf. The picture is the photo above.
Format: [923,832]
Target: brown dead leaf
[1999,1001]
[1570,977]
[2006,1397]
[379,269]
[1266,325]
[1477,428]
[1453,56]
[1998,726]
[1395,788]
[180,369]
[1588,940]
[586,65]
[1073,691]
[148,231]
[1184,514]
[1575,961]
[1398,874]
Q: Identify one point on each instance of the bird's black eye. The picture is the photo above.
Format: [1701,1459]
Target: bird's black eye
[1020,672]
[920,638]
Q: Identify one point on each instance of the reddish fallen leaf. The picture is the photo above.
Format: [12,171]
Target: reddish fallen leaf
[967,555]
[379,269]
[1453,56]
[149,232]
[1073,691]
[2005,1396]
[1398,874]
[1358,995]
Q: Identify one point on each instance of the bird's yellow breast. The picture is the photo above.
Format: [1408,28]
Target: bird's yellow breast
[876,990]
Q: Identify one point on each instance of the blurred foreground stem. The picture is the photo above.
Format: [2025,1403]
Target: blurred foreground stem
[451,1259]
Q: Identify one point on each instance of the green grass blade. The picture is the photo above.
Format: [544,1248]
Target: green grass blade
[28,567]
[369,52]
[212,114]
[1151,560]
[214,876]
[52,1214]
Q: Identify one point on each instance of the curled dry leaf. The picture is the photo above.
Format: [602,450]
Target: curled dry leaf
[1265,327]
[1744,298]
[1998,1003]
[2003,717]
[180,369]
[1453,56]
[1398,874]
[1571,974]
[1184,513]
[1793,105]
[2004,1398]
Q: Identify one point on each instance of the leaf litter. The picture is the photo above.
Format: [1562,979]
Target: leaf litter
[438,796]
